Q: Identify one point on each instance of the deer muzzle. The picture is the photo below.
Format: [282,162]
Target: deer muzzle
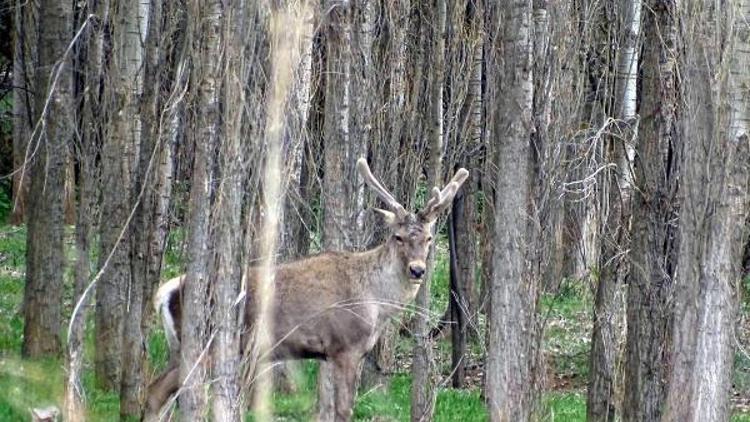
[417,270]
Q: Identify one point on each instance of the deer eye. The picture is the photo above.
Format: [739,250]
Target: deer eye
[398,238]
[429,239]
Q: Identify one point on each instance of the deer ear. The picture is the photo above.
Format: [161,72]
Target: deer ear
[389,217]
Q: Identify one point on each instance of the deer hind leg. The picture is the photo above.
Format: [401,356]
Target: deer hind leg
[345,370]
[160,391]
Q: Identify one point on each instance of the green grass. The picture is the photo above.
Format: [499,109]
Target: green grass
[567,316]
[25,383]
[564,407]
[391,403]
[12,266]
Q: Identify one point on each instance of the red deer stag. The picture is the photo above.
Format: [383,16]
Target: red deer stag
[332,306]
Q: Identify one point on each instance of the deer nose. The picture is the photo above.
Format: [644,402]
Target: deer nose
[417,271]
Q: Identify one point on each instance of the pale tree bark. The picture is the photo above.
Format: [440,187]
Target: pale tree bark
[295,229]
[206,61]
[614,201]
[25,58]
[226,239]
[258,50]
[423,388]
[337,234]
[286,30]
[44,243]
[296,142]
[510,357]
[147,246]
[714,184]
[655,213]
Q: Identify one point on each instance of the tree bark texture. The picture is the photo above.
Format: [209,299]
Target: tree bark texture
[614,193]
[655,215]
[423,393]
[44,243]
[714,189]
[388,115]
[147,246]
[25,58]
[226,239]
[337,233]
[206,70]
[117,176]
[513,316]
[87,148]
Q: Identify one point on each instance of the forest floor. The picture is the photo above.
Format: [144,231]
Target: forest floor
[26,384]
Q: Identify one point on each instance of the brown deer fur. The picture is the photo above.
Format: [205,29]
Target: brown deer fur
[332,306]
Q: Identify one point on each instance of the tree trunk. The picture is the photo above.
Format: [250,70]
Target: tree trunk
[714,184]
[423,389]
[25,59]
[387,121]
[206,62]
[117,163]
[655,211]
[461,278]
[286,33]
[143,259]
[510,359]
[336,229]
[614,194]
[226,239]
[44,244]
[598,34]
[88,192]
[463,128]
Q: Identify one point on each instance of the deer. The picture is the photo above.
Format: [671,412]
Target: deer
[332,306]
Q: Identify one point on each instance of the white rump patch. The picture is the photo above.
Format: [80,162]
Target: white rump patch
[161,305]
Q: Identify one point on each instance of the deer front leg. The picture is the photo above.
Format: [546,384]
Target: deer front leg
[345,377]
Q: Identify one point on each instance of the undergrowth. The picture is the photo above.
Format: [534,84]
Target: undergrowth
[26,384]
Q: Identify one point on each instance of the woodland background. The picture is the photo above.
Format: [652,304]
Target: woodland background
[595,265]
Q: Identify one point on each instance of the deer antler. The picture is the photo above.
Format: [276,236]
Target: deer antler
[382,192]
[441,199]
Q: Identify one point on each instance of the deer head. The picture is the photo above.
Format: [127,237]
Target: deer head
[411,233]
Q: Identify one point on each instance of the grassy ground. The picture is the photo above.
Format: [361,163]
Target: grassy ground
[25,384]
